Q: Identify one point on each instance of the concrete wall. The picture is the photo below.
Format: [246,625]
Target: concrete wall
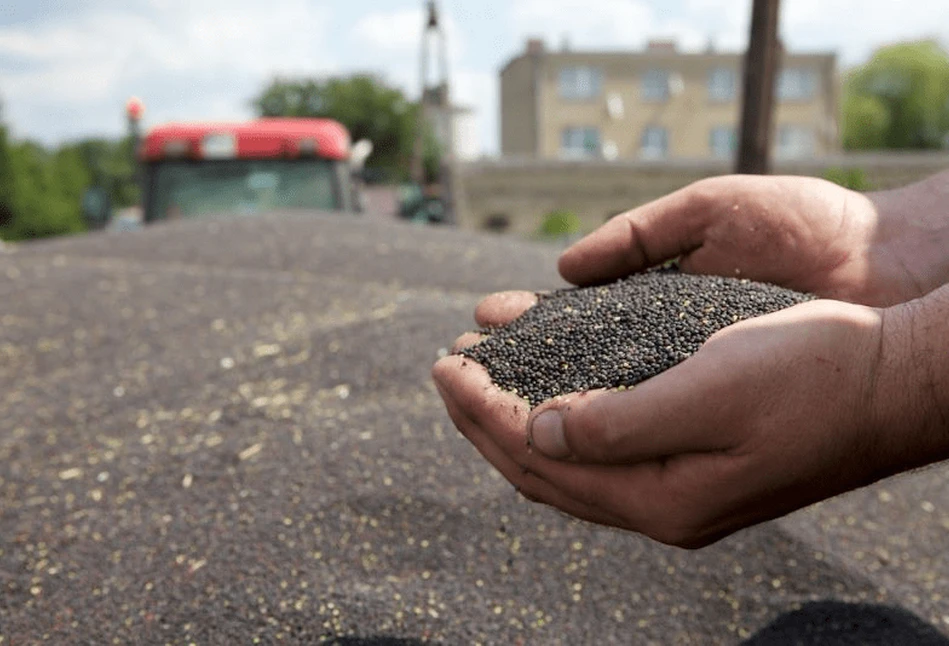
[522,192]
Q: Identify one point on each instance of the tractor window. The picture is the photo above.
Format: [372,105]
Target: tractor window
[194,189]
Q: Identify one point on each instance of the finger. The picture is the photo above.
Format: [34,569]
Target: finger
[654,498]
[472,391]
[663,416]
[668,500]
[503,307]
[468,393]
[495,422]
[466,340]
[526,483]
[543,492]
[636,240]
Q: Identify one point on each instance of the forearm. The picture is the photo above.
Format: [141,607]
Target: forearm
[912,391]
[912,234]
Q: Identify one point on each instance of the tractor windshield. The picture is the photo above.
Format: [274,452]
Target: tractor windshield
[194,189]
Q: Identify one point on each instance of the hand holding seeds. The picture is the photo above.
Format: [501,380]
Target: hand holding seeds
[770,413]
[802,233]
[768,416]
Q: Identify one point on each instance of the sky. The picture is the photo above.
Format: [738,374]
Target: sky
[67,67]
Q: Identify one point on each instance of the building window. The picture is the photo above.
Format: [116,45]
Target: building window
[795,142]
[723,142]
[580,83]
[722,84]
[655,143]
[581,142]
[797,84]
[655,86]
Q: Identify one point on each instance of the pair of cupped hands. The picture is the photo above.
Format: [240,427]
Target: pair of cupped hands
[771,414]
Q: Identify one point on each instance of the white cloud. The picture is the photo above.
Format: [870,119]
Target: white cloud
[179,55]
[395,37]
[727,21]
[624,24]
[396,31]
[480,91]
[854,28]
[399,34]
[586,23]
[69,76]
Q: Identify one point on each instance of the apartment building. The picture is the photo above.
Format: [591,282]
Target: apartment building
[658,103]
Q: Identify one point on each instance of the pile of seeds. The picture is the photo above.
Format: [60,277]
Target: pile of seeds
[620,334]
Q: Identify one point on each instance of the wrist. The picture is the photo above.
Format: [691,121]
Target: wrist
[910,398]
[912,236]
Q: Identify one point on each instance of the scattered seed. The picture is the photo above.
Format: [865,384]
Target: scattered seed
[250,452]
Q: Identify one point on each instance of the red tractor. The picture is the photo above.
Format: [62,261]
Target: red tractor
[195,170]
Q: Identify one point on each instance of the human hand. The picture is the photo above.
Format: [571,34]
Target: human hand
[798,232]
[771,414]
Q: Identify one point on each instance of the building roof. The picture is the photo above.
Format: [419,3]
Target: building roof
[663,50]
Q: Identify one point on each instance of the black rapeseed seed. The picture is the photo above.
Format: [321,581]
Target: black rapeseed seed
[618,335]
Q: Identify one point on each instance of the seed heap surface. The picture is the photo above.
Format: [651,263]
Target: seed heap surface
[620,334]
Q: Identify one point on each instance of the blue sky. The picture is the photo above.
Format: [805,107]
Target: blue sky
[68,66]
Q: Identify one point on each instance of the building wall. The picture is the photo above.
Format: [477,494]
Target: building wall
[518,101]
[688,115]
[523,193]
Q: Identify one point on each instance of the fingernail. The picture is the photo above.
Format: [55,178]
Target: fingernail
[547,435]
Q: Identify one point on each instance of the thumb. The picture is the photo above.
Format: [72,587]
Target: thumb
[669,227]
[654,420]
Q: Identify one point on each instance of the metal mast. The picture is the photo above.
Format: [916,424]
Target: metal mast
[436,111]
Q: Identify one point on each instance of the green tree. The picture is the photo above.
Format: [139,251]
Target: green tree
[41,190]
[853,178]
[899,99]
[6,180]
[366,105]
[46,191]
[560,224]
[70,174]
[110,166]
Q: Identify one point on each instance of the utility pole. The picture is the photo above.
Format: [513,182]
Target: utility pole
[761,67]
[134,111]
[436,110]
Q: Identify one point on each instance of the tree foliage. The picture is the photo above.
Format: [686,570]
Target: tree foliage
[6,180]
[560,224]
[853,178]
[41,190]
[899,99]
[46,190]
[111,166]
[367,106]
